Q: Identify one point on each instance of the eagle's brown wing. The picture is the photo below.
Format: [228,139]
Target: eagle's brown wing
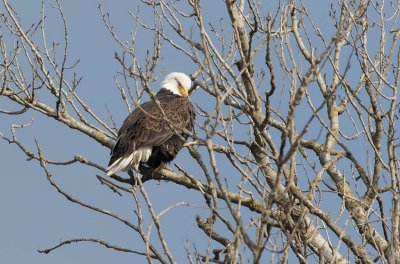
[146,126]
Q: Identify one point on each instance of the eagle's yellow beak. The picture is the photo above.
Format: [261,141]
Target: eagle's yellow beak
[183,91]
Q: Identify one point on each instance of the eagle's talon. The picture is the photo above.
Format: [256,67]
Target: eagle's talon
[162,166]
[168,169]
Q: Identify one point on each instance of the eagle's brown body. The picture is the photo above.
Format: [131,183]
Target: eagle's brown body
[150,136]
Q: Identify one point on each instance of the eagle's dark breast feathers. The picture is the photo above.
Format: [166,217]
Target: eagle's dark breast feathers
[148,126]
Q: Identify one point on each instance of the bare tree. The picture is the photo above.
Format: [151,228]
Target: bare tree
[298,153]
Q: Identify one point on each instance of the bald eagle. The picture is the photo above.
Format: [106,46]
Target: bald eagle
[151,136]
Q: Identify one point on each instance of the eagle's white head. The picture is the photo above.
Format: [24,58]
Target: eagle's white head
[178,83]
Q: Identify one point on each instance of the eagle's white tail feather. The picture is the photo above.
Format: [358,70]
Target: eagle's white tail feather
[130,162]
[120,164]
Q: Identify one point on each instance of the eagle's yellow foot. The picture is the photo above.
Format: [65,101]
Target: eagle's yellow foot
[163,166]
[168,169]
